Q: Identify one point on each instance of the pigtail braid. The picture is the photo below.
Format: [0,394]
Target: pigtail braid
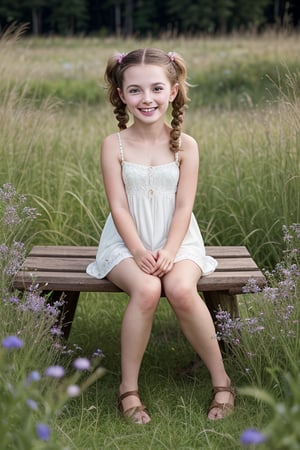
[112,77]
[180,102]
[121,114]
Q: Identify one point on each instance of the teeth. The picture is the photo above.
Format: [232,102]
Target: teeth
[148,109]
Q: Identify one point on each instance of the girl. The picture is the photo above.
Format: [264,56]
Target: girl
[151,240]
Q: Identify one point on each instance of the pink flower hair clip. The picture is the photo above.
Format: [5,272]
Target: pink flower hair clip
[121,57]
[171,55]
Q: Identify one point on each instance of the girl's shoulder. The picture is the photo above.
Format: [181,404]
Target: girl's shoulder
[111,139]
[110,148]
[189,146]
[188,141]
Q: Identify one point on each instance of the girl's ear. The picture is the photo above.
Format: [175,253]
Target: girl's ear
[121,95]
[174,91]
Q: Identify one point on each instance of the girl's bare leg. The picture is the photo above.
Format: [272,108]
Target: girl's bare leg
[196,323]
[144,291]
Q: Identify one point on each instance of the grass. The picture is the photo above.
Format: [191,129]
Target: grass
[177,402]
[245,115]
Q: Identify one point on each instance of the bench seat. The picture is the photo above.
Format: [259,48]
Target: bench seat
[61,270]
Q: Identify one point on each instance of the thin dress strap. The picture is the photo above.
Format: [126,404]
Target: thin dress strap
[121,147]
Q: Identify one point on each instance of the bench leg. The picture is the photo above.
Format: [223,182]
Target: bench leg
[70,300]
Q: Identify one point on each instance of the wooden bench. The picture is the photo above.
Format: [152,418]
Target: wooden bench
[60,270]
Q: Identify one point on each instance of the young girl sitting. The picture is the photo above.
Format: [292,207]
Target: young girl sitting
[151,240]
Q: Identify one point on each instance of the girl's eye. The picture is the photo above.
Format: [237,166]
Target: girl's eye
[158,88]
[133,91]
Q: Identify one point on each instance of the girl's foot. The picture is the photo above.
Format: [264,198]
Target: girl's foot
[222,403]
[131,408]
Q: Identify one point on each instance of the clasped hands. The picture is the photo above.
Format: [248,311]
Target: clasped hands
[157,263]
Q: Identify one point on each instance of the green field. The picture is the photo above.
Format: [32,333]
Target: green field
[245,114]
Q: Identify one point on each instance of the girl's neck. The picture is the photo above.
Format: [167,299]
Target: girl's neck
[152,132]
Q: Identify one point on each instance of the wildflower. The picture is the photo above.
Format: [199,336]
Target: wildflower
[33,302]
[56,331]
[29,213]
[251,287]
[14,300]
[73,390]
[43,431]
[12,342]
[14,257]
[97,353]
[252,437]
[55,372]
[7,192]
[33,376]
[13,212]
[82,364]
[11,216]
[32,404]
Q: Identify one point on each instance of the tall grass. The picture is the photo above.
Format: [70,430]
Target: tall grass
[249,177]
[53,118]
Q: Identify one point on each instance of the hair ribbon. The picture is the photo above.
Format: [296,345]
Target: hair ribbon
[121,57]
[171,55]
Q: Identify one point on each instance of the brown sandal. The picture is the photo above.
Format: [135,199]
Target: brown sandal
[226,408]
[131,412]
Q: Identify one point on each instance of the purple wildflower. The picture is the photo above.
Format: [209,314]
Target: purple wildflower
[43,431]
[12,342]
[55,372]
[33,376]
[251,287]
[56,331]
[228,328]
[11,216]
[252,437]
[73,390]
[14,213]
[97,353]
[82,364]
[13,257]
[33,302]
[7,193]
[14,300]
[32,404]
[29,213]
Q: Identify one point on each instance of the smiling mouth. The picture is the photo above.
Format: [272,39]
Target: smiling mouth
[147,110]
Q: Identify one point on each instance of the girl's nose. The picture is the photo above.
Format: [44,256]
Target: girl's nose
[147,98]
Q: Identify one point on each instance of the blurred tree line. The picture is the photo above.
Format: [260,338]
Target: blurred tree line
[149,17]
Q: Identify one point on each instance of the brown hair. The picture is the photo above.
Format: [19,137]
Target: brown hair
[176,72]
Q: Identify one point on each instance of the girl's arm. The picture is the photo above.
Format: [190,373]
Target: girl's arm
[185,198]
[117,200]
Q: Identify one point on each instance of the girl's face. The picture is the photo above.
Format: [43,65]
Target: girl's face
[147,92]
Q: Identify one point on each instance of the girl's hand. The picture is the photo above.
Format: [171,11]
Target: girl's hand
[164,262]
[146,261]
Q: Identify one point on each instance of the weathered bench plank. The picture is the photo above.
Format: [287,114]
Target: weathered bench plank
[89,251]
[61,270]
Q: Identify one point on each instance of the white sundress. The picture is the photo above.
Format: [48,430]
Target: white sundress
[151,193]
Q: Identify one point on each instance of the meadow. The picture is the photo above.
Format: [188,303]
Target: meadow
[245,114]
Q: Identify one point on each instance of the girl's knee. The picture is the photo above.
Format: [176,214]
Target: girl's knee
[181,295]
[148,293]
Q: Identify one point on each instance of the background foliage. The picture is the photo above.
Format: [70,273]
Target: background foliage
[149,17]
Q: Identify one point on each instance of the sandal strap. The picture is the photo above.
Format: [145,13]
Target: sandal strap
[217,389]
[130,411]
[128,394]
[222,406]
